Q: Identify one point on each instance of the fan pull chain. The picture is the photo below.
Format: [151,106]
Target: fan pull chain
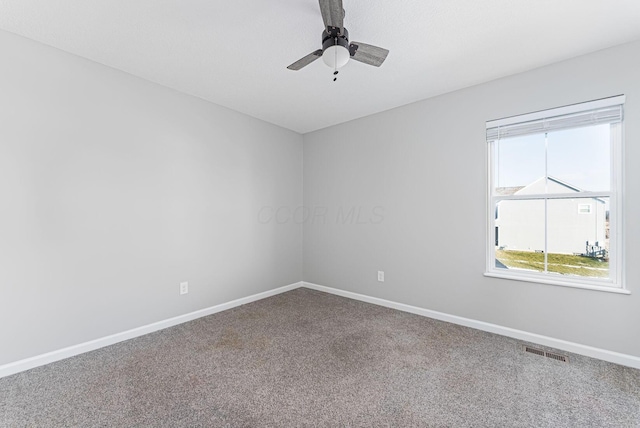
[335,66]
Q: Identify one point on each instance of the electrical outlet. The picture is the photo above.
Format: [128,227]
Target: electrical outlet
[380,276]
[184,287]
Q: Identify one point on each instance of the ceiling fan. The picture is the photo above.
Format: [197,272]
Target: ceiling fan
[336,48]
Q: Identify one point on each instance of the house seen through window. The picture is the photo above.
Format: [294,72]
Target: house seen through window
[554,190]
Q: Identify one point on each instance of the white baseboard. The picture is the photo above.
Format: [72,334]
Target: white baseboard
[576,348]
[50,357]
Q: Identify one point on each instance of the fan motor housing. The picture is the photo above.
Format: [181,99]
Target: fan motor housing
[335,36]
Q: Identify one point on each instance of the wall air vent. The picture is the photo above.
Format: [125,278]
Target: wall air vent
[543,353]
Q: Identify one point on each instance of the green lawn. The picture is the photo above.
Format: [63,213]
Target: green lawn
[558,263]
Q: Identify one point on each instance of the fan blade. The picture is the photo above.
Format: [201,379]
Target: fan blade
[368,54]
[303,62]
[332,13]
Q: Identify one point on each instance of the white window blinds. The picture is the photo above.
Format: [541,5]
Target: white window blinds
[608,110]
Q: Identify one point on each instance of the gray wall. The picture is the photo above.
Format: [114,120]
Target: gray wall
[423,166]
[113,190]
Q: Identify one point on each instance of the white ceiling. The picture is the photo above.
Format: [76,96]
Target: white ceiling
[235,52]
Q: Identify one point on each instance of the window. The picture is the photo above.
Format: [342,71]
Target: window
[584,208]
[555,179]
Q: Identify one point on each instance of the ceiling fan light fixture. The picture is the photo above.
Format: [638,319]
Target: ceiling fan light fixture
[336,49]
[336,56]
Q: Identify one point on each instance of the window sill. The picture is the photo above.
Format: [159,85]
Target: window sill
[606,289]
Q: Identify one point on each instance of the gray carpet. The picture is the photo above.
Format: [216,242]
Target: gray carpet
[306,358]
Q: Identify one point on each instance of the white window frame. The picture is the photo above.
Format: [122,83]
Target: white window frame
[616,281]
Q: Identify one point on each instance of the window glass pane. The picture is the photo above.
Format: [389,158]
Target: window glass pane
[579,159]
[519,162]
[578,237]
[519,230]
